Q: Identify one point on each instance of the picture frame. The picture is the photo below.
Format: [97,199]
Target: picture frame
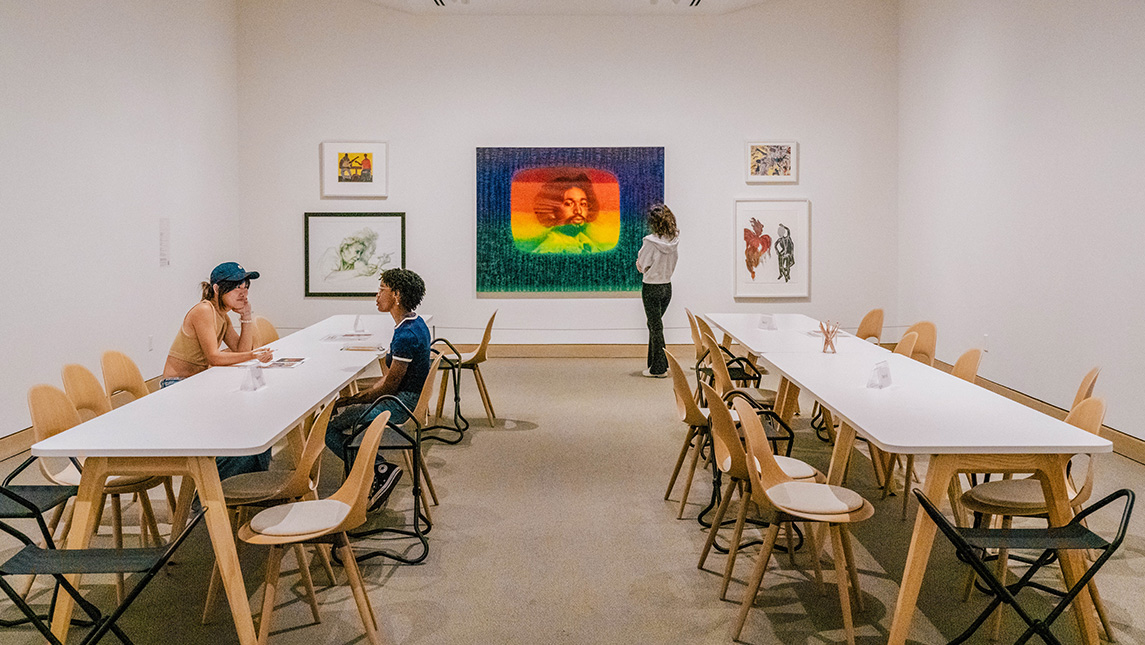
[766,264]
[345,253]
[354,168]
[771,162]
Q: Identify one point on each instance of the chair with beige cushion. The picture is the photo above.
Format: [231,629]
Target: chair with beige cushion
[1010,498]
[323,521]
[762,399]
[693,416]
[470,361]
[782,499]
[728,450]
[927,343]
[741,369]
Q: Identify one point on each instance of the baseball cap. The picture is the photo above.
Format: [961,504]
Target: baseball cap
[231,272]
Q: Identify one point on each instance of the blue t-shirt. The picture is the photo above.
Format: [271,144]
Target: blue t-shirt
[411,344]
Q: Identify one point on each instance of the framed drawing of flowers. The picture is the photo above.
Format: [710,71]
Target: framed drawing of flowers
[353,168]
[772,248]
[347,252]
[772,162]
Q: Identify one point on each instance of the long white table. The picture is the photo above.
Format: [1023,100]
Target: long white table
[965,428]
[181,429]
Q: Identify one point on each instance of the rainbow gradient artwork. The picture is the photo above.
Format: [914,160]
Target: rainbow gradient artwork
[563,219]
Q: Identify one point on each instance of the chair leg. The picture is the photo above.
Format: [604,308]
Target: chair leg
[358,588]
[756,579]
[877,465]
[425,478]
[907,484]
[815,535]
[1102,615]
[680,460]
[968,584]
[212,593]
[838,552]
[117,532]
[701,438]
[954,493]
[324,555]
[1002,569]
[852,568]
[169,488]
[147,518]
[484,392]
[273,568]
[304,572]
[441,395]
[737,534]
[715,528]
[789,537]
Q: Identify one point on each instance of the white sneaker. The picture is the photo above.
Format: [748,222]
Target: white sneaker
[648,372]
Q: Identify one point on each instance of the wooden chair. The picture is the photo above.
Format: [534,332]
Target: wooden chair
[693,416]
[52,412]
[279,486]
[927,342]
[740,369]
[470,361]
[781,499]
[265,332]
[325,522]
[871,327]
[1010,498]
[762,399]
[728,450]
[906,344]
[1085,390]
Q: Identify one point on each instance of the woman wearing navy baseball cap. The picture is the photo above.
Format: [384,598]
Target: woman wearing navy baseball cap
[205,328]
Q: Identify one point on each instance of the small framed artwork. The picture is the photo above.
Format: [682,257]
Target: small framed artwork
[772,248]
[346,252]
[353,168]
[773,162]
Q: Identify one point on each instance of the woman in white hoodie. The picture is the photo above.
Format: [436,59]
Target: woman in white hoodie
[657,261]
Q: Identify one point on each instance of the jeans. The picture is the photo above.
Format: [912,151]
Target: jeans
[346,420]
[656,298]
[231,466]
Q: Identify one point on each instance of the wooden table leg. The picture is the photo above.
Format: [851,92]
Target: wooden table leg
[786,400]
[218,522]
[183,505]
[1057,495]
[938,474]
[83,525]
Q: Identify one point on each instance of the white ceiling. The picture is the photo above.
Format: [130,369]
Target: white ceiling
[568,7]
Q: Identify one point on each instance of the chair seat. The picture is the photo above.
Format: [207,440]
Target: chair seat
[255,486]
[794,468]
[761,397]
[708,414]
[44,498]
[69,476]
[1023,495]
[815,499]
[300,518]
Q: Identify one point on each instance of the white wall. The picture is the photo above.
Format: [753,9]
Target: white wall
[112,115]
[820,72]
[1021,214]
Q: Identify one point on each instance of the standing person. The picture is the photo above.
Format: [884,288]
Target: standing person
[657,261]
[207,327]
[407,367]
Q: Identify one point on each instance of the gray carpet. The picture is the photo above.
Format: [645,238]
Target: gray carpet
[552,528]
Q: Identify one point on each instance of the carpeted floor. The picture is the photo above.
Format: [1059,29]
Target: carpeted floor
[552,528]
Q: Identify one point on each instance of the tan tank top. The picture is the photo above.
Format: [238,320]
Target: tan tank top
[187,347]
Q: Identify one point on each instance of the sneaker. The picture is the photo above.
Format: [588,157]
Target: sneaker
[386,476]
[648,372]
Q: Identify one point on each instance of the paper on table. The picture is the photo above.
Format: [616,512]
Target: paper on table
[349,336]
[364,348]
[284,362]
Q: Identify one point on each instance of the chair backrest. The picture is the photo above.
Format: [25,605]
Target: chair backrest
[871,326]
[264,331]
[305,476]
[730,457]
[690,413]
[704,328]
[906,345]
[356,488]
[1088,415]
[52,411]
[966,367]
[927,342]
[85,391]
[122,375]
[696,339]
[479,356]
[421,410]
[762,469]
[720,374]
[1085,390]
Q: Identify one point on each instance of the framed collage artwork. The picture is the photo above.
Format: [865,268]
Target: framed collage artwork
[772,248]
[772,162]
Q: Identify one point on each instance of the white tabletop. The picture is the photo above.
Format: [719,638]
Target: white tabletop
[791,333]
[208,415]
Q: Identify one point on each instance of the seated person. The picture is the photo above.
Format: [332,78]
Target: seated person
[205,328]
[407,367]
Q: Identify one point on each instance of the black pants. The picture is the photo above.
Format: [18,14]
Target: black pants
[656,299]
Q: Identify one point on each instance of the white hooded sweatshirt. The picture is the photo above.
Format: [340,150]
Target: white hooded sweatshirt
[657,259]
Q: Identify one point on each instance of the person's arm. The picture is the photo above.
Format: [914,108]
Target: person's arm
[202,321]
[243,341]
[388,384]
[644,257]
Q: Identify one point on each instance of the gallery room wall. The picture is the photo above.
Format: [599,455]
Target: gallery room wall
[436,88]
[113,115]
[1022,149]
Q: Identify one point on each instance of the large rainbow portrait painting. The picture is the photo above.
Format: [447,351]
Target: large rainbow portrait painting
[563,219]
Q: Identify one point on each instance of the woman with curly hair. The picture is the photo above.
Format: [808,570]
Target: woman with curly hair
[657,260]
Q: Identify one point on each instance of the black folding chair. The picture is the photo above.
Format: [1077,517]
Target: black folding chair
[970,543]
[33,559]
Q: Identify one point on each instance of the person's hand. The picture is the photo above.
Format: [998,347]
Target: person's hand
[245,313]
[264,354]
